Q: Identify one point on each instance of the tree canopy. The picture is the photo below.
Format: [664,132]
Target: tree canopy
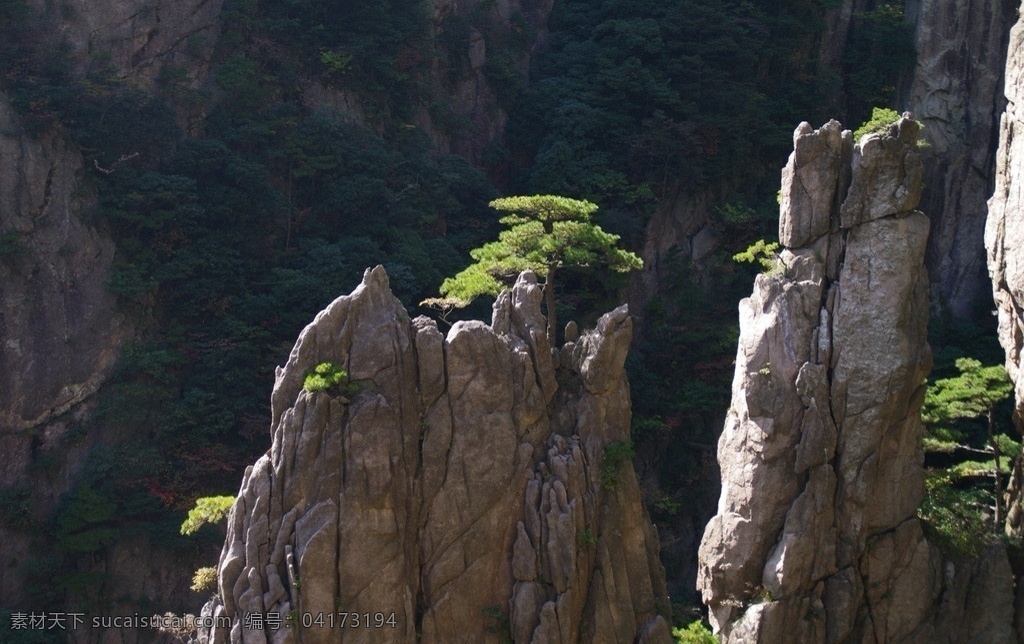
[545,233]
[973,394]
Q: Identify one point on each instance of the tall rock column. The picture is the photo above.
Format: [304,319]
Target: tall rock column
[816,538]
[468,488]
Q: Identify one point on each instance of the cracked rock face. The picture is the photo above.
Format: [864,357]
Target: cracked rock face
[1004,232]
[816,537]
[957,92]
[461,484]
[141,38]
[61,333]
[1004,236]
[61,336]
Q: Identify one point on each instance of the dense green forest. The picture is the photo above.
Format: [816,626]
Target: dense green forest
[230,239]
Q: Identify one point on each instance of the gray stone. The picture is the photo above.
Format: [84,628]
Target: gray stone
[810,181]
[459,482]
[887,175]
[816,537]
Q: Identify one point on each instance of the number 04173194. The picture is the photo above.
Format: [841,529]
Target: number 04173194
[349,620]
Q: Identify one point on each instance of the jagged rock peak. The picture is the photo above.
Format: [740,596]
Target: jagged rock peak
[816,537]
[809,183]
[817,186]
[471,486]
[887,174]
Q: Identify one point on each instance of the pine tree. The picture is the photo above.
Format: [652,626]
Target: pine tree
[545,233]
[973,394]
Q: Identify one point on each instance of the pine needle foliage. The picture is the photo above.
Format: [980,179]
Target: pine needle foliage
[208,509]
[544,234]
[325,376]
[972,394]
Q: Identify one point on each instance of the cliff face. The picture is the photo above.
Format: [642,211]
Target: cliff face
[61,336]
[1004,234]
[816,537]
[62,331]
[141,38]
[487,29]
[473,486]
[957,92]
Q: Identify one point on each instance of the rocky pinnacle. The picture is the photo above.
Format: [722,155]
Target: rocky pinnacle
[816,538]
[468,488]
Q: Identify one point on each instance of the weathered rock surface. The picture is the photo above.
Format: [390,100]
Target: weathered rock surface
[61,336]
[60,327]
[140,39]
[1004,235]
[816,538]
[956,91]
[465,484]
[1004,231]
[464,77]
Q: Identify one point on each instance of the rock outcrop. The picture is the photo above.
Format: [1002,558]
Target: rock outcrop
[467,488]
[816,538]
[143,38]
[60,327]
[957,92]
[60,334]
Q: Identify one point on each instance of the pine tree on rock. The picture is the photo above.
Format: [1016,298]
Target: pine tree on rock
[545,233]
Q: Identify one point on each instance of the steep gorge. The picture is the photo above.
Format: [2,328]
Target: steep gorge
[63,333]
